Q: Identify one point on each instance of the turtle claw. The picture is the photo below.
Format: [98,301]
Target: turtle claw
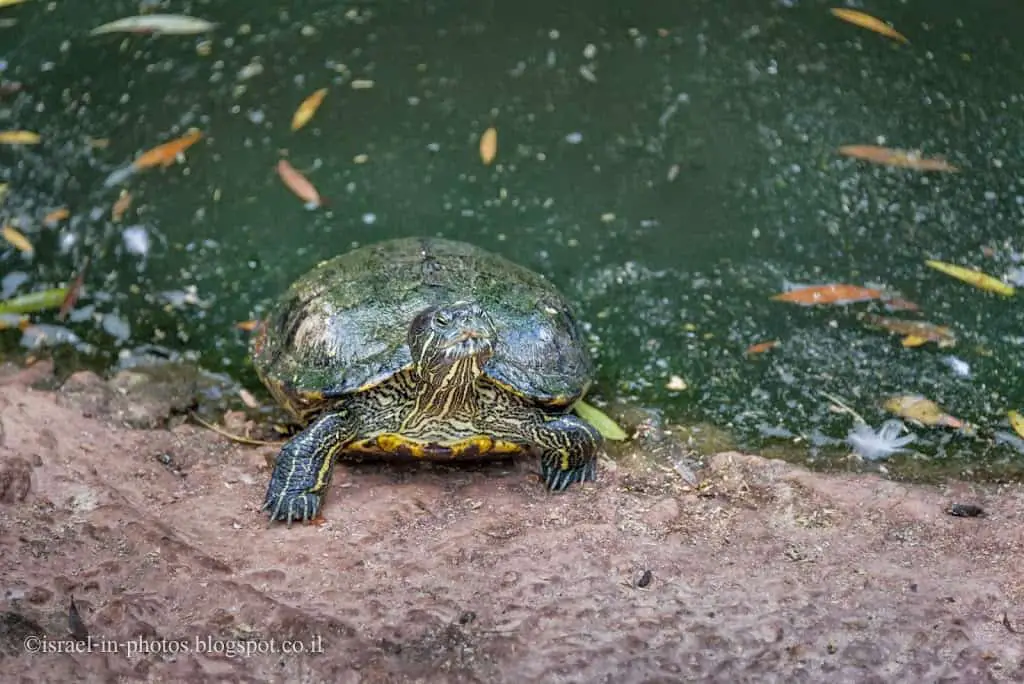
[558,480]
[303,507]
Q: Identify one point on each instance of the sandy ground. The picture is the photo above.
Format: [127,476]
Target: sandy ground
[763,572]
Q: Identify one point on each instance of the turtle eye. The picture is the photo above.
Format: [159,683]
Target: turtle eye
[442,319]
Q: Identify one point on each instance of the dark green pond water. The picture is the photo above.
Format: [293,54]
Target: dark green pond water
[670,165]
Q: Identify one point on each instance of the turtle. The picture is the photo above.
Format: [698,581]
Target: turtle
[423,348]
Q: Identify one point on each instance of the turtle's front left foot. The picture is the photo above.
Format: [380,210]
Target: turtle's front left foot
[289,506]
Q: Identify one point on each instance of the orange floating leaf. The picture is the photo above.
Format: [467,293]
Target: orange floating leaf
[247,326]
[123,203]
[19,241]
[55,216]
[298,183]
[307,109]
[762,347]
[868,22]
[489,145]
[836,293]
[165,154]
[904,159]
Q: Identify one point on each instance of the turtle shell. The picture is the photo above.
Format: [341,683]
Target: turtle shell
[343,326]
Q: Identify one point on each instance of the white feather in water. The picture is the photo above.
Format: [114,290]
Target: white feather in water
[875,446]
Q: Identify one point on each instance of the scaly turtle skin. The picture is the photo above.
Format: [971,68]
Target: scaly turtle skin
[423,348]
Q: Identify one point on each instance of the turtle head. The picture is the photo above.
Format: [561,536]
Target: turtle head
[455,335]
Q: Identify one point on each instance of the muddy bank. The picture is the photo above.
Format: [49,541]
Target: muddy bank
[760,572]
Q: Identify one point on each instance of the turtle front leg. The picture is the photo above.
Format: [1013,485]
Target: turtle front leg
[569,446]
[303,469]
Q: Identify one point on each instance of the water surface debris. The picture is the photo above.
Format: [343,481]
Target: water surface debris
[165,154]
[34,302]
[55,216]
[1016,421]
[9,3]
[307,109]
[835,293]
[974,277]
[489,145]
[19,138]
[885,442]
[17,239]
[608,428]
[298,183]
[761,347]
[924,411]
[915,333]
[866,21]
[904,159]
[170,24]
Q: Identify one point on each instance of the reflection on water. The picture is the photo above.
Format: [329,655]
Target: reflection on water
[670,166]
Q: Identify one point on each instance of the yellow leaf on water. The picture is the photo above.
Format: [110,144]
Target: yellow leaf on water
[608,428]
[1016,422]
[489,145]
[8,3]
[18,138]
[925,411]
[913,341]
[869,22]
[307,109]
[20,242]
[974,277]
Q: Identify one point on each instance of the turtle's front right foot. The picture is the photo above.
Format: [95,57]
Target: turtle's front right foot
[302,473]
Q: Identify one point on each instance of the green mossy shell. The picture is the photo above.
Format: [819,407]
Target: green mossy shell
[343,326]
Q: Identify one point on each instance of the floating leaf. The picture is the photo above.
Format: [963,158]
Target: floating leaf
[489,145]
[18,138]
[298,183]
[915,333]
[971,276]
[762,347]
[923,410]
[123,203]
[829,294]
[170,24]
[55,216]
[34,302]
[8,3]
[20,242]
[608,428]
[1016,422]
[904,159]
[165,154]
[869,22]
[307,109]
